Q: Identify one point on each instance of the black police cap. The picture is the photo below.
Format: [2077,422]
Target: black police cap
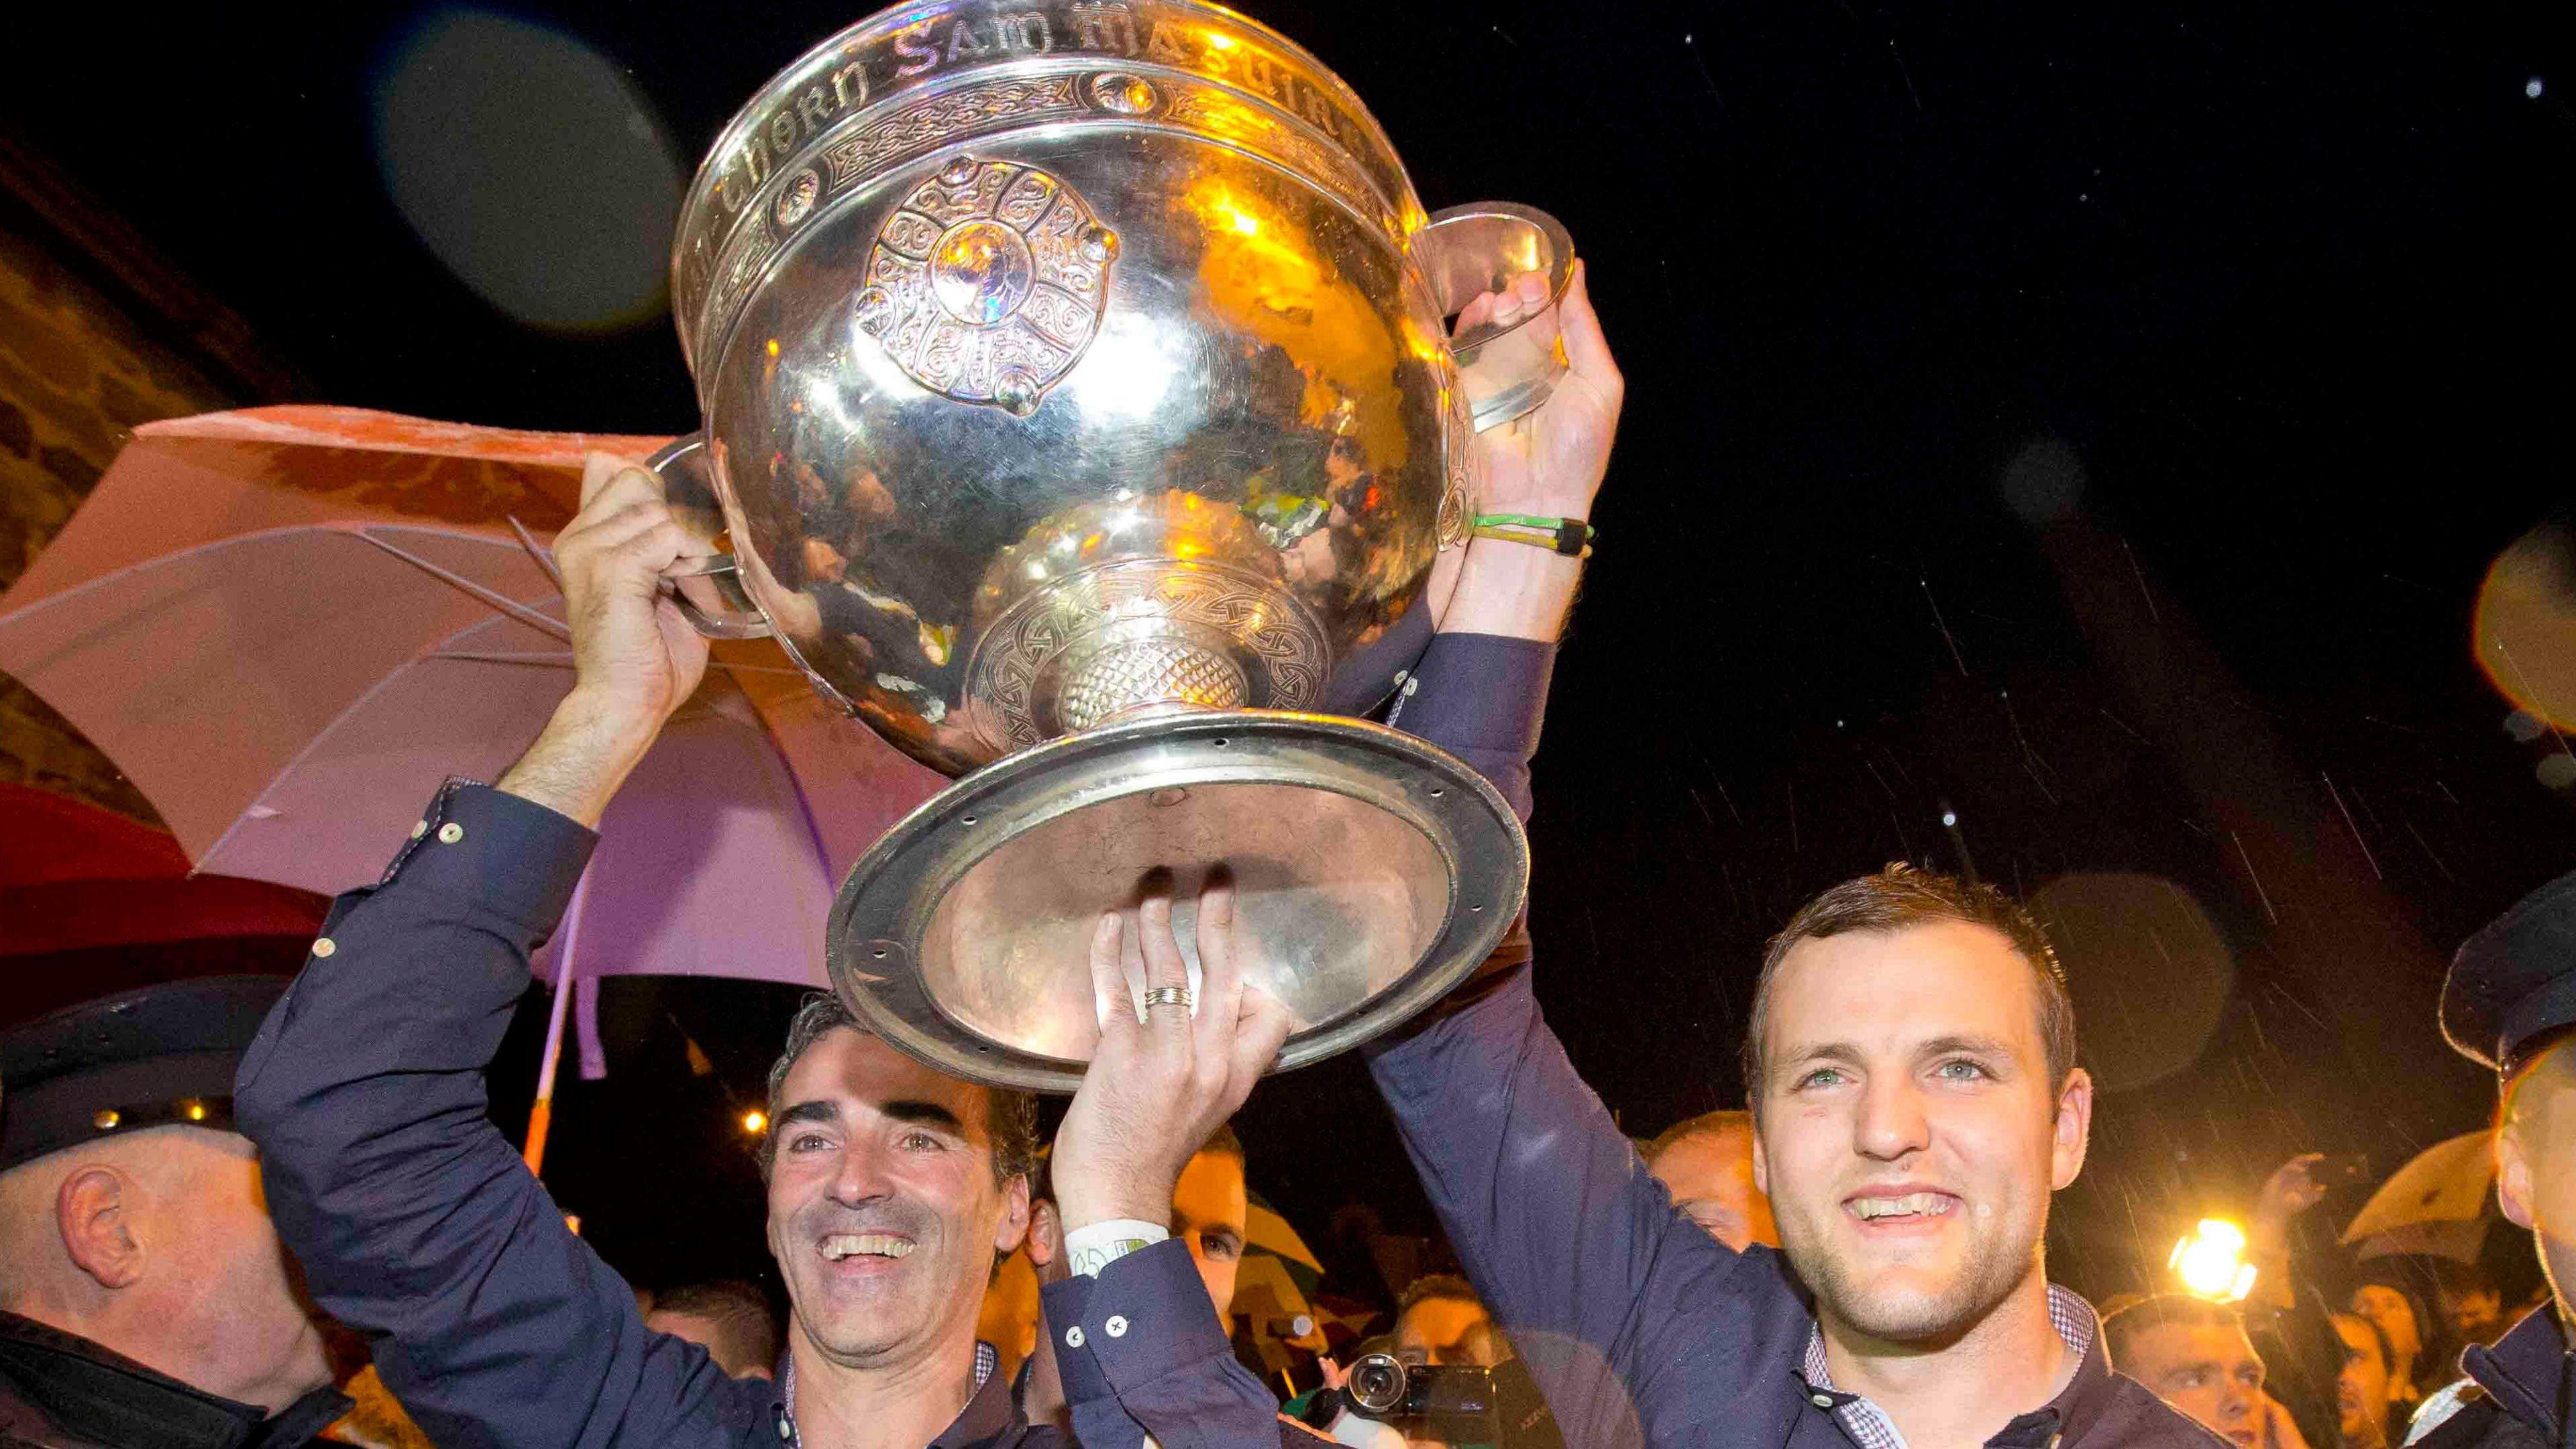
[119,1064]
[2514,982]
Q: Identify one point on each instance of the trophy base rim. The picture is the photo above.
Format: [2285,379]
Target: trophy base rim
[1364,856]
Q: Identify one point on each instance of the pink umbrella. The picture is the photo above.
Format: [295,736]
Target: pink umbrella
[288,625]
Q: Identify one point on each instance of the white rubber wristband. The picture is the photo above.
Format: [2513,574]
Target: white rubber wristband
[1094,1246]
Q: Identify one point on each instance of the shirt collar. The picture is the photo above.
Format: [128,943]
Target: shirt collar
[2525,1371]
[2066,1415]
[992,1411]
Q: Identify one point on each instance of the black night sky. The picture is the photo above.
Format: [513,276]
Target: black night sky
[2092,420]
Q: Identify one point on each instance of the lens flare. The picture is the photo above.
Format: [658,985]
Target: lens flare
[2525,629]
[2211,1262]
[531,166]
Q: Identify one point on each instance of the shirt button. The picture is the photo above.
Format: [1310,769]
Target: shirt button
[1073,1336]
[323,948]
[1821,1401]
[1117,1325]
[419,828]
[450,833]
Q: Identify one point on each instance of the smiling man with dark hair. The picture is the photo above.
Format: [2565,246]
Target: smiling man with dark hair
[892,1188]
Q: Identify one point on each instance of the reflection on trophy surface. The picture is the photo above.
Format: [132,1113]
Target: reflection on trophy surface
[1081,415]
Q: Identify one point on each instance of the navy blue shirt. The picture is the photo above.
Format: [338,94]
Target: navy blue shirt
[2512,1397]
[1638,1326]
[416,1222]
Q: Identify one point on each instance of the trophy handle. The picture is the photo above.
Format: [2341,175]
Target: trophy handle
[708,591]
[1464,251]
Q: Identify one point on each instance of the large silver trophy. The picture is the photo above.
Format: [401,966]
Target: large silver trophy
[1081,415]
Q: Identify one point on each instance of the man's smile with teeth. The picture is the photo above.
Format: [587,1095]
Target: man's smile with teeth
[852,1245]
[1913,1204]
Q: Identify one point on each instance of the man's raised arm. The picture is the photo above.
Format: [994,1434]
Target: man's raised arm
[1575,1247]
[1139,1345]
[414,1219]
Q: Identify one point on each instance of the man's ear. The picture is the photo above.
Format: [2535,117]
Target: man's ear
[1046,1233]
[1015,1215]
[2074,1129]
[1761,1164]
[94,1211]
[2513,1177]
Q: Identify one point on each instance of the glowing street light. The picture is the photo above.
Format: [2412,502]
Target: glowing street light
[2211,1262]
[755,1122]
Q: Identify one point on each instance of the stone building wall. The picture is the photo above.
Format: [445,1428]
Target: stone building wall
[96,336]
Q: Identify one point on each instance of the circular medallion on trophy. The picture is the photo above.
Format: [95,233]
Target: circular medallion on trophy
[987,282]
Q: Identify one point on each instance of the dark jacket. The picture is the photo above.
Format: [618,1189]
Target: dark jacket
[2513,1397]
[416,1222]
[1640,1327]
[61,1391]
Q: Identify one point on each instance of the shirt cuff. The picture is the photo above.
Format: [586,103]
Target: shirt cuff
[1062,1304]
[1481,693]
[510,856]
[1146,1315]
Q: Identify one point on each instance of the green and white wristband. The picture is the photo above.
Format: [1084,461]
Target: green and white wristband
[1571,537]
[1094,1246]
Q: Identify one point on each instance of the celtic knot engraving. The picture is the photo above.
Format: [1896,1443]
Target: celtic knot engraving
[1187,633]
[927,124]
[988,282]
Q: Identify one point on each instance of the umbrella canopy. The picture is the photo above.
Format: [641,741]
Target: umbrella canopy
[288,625]
[2438,1203]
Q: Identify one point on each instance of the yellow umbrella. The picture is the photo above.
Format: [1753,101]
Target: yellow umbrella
[2437,1203]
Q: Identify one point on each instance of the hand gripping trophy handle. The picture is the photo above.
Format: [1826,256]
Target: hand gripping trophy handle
[1506,371]
[709,592]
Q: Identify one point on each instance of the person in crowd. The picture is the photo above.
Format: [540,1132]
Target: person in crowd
[2195,1356]
[2288,1317]
[2509,1004]
[1706,1163]
[892,1189]
[1211,1213]
[2361,1390]
[1910,1068]
[1439,1319]
[2399,1312]
[142,1285]
[728,1318]
[2468,1303]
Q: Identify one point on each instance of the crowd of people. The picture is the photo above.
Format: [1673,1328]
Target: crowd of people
[195,1179]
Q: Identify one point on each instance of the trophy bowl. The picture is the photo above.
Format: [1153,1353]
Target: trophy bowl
[1081,414]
